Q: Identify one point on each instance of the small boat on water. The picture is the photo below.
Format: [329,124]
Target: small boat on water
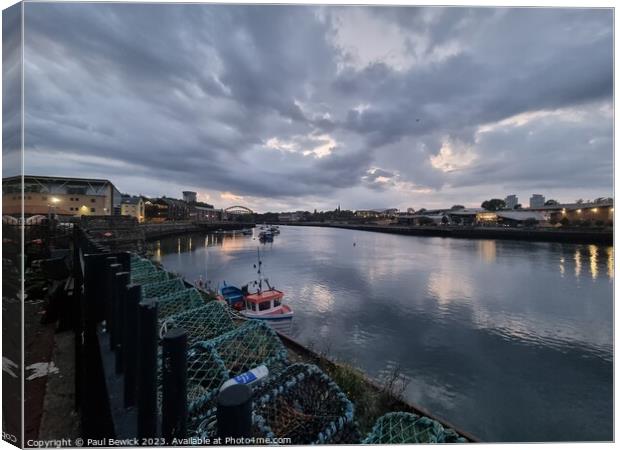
[267,305]
[265,236]
[233,296]
[275,229]
[264,304]
[247,232]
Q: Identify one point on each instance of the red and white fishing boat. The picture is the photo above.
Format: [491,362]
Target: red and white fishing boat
[266,304]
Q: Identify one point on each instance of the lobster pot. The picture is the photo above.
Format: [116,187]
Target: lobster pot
[203,411]
[203,421]
[205,426]
[138,264]
[162,288]
[212,362]
[177,302]
[305,406]
[147,276]
[187,310]
[407,428]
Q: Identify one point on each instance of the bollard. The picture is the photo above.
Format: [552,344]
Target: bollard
[121,281]
[133,296]
[111,291]
[174,393]
[234,412]
[147,369]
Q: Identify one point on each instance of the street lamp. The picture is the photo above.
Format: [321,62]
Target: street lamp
[54,200]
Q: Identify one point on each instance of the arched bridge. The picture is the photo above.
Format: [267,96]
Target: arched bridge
[238,210]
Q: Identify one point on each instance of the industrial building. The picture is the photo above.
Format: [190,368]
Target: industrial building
[62,196]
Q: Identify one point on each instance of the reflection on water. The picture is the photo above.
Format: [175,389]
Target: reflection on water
[474,325]
[322,297]
[593,264]
[488,250]
[577,262]
[447,287]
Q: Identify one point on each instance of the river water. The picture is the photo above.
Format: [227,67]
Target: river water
[508,340]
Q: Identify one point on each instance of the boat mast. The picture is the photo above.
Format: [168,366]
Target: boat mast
[260,276]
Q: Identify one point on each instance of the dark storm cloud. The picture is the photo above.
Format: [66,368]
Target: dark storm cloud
[285,102]
[11,90]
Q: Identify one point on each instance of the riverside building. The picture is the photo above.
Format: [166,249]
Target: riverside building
[62,196]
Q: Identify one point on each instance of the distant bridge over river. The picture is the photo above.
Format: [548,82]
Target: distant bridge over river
[238,210]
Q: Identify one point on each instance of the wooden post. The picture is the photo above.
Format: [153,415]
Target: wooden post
[106,293]
[133,297]
[147,370]
[111,301]
[174,394]
[121,281]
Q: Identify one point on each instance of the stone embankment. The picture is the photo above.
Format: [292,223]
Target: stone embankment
[572,235]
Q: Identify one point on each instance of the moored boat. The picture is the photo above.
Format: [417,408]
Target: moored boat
[265,236]
[266,304]
[233,296]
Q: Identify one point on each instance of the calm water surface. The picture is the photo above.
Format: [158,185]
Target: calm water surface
[509,340]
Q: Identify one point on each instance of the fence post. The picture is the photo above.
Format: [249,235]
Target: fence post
[133,296]
[78,319]
[106,293]
[234,412]
[121,281]
[174,394]
[111,301]
[94,286]
[124,258]
[147,370]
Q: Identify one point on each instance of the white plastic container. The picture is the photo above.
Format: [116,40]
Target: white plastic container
[249,378]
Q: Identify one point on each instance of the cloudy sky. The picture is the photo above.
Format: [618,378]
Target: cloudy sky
[297,107]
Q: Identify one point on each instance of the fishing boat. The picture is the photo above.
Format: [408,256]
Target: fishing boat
[275,230]
[247,232]
[233,296]
[266,304]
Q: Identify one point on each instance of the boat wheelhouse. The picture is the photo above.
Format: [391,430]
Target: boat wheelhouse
[266,305]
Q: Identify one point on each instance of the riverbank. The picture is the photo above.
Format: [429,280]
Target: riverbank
[461,232]
[372,399]
[158,231]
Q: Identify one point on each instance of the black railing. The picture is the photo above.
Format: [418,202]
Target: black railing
[116,353]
